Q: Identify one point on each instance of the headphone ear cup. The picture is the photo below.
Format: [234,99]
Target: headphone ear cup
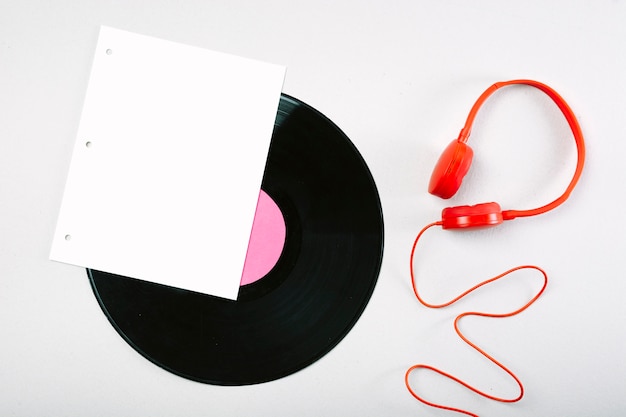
[452,166]
[480,215]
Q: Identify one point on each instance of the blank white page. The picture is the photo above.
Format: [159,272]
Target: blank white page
[168,162]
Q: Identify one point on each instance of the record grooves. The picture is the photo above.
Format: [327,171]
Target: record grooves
[305,305]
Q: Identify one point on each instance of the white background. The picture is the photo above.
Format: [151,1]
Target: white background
[399,78]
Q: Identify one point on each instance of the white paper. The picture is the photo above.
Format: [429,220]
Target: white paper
[168,163]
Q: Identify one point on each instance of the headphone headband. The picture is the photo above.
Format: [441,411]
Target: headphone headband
[571,120]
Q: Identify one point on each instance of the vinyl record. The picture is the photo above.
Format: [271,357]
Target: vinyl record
[307,302]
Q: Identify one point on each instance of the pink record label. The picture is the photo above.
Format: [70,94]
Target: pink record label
[266,240]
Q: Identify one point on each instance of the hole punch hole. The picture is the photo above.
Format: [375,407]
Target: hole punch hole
[88,144]
[68,237]
[109,51]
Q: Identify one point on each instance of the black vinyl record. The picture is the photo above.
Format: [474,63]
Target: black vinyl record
[305,305]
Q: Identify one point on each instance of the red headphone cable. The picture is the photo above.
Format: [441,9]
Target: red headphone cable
[463,337]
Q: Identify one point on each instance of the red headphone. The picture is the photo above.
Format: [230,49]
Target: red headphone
[455,162]
[444,182]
